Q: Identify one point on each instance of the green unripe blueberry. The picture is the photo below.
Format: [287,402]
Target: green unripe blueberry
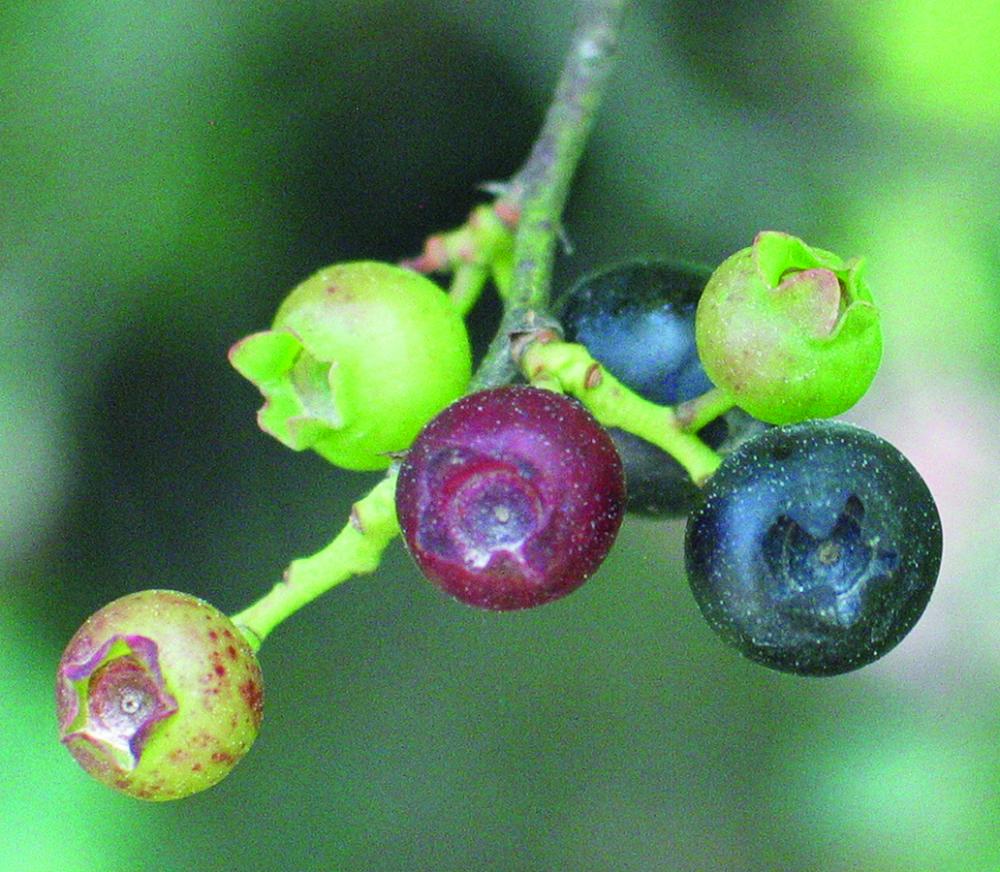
[159,695]
[789,330]
[360,356]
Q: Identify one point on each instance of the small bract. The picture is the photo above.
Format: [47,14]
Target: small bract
[789,330]
[159,695]
[360,356]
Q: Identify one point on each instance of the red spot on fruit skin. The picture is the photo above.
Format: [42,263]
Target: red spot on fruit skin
[198,658]
[253,695]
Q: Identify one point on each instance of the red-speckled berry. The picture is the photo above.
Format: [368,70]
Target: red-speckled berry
[511,498]
[159,695]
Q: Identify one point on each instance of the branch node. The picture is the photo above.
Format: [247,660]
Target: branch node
[521,339]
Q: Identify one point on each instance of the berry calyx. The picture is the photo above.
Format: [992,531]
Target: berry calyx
[360,356]
[789,330]
[816,548]
[637,319]
[510,498]
[159,695]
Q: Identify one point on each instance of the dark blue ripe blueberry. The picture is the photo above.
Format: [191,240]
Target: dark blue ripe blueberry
[637,319]
[815,549]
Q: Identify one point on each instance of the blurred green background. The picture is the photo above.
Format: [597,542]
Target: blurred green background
[169,170]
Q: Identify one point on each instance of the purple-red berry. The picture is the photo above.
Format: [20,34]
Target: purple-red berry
[511,497]
[159,695]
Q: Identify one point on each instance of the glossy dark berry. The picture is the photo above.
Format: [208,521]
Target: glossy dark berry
[816,548]
[510,497]
[638,319]
[658,486]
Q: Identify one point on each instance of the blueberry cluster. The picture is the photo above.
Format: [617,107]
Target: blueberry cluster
[813,548]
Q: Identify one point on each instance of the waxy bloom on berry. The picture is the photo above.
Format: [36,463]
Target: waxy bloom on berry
[815,548]
[637,318]
[789,330]
[159,695]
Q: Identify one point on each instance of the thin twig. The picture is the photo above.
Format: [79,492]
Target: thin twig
[538,191]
